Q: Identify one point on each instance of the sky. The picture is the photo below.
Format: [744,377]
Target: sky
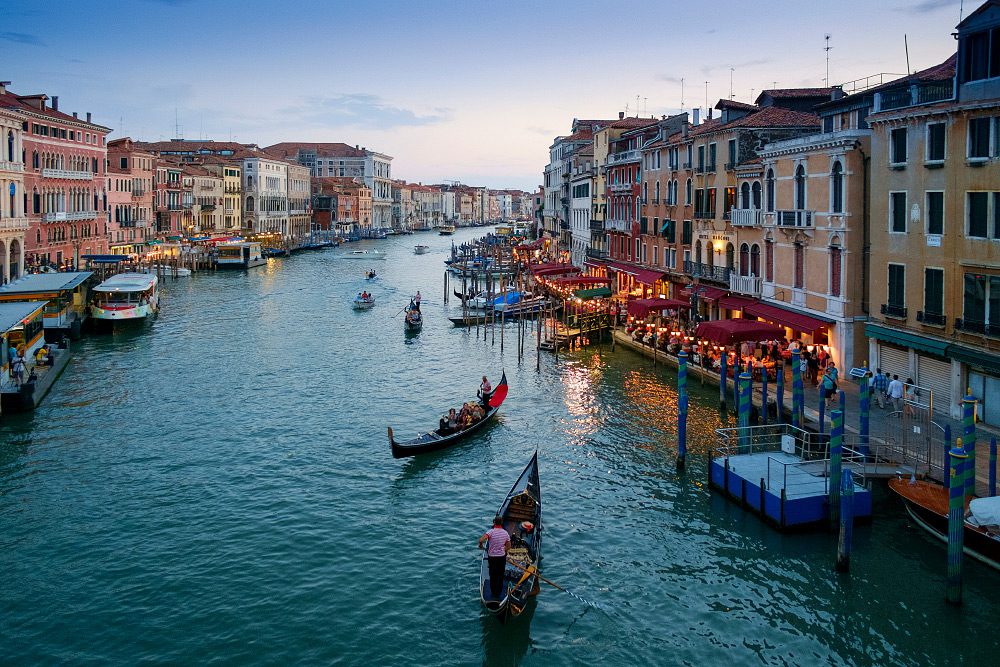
[465,90]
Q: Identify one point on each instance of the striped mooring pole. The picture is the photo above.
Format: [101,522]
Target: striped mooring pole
[846,522]
[780,390]
[956,520]
[682,408]
[743,407]
[865,416]
[969,440]
[947,448]
[822,408]
[836,463]
[737,370]
[796,390]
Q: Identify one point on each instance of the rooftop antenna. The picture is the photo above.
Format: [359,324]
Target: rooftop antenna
[706,98]
[906,46]
[827,49]
[682,93]
[636,106]
[961,10]
[177,127]
[731,70]
[644,105]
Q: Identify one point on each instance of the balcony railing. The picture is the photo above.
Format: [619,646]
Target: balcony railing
[616,225]
[707,271]
[63,216]
[67,173]
[745,284]
[700,169]
[620,187]
[977,327]
[7,165]
[924,93]
[623,156]
[564,225]
[687,165]
[745,217]
[596,225]
[935,319]
[596,254]
[704,214]
[893,310]
[13,224]
[795,218]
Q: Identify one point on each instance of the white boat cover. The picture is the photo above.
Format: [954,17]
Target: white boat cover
[985,511]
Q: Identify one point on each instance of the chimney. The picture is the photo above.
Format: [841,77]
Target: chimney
[55,103]
[685,128]
[74,114]
[3,86]
[696,116]
[88,116]
[836,93]
[621,115]
[709,113]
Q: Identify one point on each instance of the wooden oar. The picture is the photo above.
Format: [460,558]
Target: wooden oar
[534,570]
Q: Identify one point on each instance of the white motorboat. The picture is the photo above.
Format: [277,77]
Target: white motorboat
[168,271]
[364,302]
[420,249]
[446,230]
[126,296]
[364,254]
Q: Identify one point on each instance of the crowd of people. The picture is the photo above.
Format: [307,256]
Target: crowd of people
[470,413]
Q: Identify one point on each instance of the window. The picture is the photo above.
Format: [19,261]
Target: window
[978,214]
[837,188]
[686,233]
[745,259]
[897,212]
[800,188]
[729,202]
[897,146]
[799,275]
[34,159]
[770,190]
[835,270]
[933,291]
[979,138]
[897,286]
[980,58]
[981,303]
[935,142]
[935,213]
[711,157]
[755,260]
[701,158]
[828,123]
[687,192]
[756,194]
[769,260]
[732,153]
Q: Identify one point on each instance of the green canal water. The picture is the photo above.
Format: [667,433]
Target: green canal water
[217,488]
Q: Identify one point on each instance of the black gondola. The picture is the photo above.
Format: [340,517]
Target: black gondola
[413,320]
[521,512]
[439,439]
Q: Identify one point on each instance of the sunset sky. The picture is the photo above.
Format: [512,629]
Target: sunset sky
[470,91]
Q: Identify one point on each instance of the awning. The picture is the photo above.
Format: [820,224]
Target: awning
[644,276]
[535,268]
[906,339]
[579,280]
[594,263]
[787,318]
[595,293]
[564,268]
[706,293]
[534,245]
[734,302]
[730,332]
[104,259]
[977,358]
[641,307]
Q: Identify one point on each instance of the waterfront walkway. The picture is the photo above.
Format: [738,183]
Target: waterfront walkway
[884,424]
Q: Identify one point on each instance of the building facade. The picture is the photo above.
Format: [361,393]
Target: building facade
[13,221]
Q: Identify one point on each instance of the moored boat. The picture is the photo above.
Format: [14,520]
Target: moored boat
[363,301]
[927,503]
[126,296]
[441,437]
[239,255]
[420,249]
[167,270]
[521,513]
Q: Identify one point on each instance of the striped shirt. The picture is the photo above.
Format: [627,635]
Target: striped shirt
[497,537]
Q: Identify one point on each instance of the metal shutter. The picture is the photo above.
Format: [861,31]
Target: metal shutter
[935,374]
[894,361]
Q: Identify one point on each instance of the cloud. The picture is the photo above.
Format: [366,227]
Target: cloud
[21,38]
[544,131]
[366,110]
[669,79]
[930,6]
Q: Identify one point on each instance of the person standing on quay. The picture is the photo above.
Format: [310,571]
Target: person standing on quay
[881,385]
[498,544]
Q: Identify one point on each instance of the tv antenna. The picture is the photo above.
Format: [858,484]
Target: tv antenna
[682,93]
[706,98]
[731,70]
[827,49]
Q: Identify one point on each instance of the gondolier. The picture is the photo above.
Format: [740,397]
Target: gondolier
[485,389]
[498,544]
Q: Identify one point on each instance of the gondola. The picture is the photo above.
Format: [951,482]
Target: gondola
[413,320]
[521,512]
[436,439]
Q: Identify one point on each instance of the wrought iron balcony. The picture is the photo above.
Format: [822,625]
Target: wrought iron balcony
[745,217]
[977,327]
[704,214]
[745,284]
[894,310]
[795,218]
[687,165]
[707,271]
[915,94]
[935,319]
[596,254]
[597,225]
[622,157]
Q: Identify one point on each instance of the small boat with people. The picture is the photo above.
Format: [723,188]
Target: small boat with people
[927,503]
[364,301]
[414,319]
[505,592]
[454,426]
[126,296]
[364,254]
[371,275]
[420,249]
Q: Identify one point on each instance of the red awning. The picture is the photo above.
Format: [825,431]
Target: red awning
[734,302]
[580,280]
[786,318]
[730,332]
[644,276]
[534,245]
[535,268]
[641,307]
[556,270]
[707,293]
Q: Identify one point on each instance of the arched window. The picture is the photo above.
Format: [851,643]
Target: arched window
[745,195]
[800,187]
[249,207]
[34,159]
[756,195]
[744,259]
[36,201]
[755,260]
[10,145]
[769,260]
[835,269]
[687,192]
[837,188]
[770,190]
[730,256]
[799,266]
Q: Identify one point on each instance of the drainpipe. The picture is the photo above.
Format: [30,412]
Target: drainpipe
[865,229]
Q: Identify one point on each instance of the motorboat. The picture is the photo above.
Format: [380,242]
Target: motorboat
[420,249]
[364,301]
[126,296]
[364,254]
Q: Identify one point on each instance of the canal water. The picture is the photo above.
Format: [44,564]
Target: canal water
[217,487]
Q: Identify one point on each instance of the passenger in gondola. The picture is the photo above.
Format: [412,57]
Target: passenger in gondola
[452,421]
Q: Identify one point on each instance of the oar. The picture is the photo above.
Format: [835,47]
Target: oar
[534,571]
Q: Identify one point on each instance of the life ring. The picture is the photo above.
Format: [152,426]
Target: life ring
[527,526]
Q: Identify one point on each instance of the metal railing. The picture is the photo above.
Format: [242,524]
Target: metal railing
[977,327]
[623,156]
[935,319]
[893,310]
[68,173]
[795,218]
[700,270]
[745,284]
[745,217]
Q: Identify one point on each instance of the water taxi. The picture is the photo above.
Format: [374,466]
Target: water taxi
[239,255]
[420,249]
[364,254]
[126,296]
[446,230]
[363,301]
[504,230]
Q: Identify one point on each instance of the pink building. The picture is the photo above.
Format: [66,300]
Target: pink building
[64,166]
[130,197]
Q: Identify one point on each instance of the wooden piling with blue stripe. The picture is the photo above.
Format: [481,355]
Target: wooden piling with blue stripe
[846,522]
[865,416]
[836,463]
[722,380]
[780,390]
[682,408]
[743,407]
[969,440]
[763,394]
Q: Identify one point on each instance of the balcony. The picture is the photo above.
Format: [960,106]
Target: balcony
[139,194]
[596,254]
[173,207]
[7,165]
[67,173]
[893,310]
[795,218]
[13,224]
[616,225]
[977,327]
[687,165]
[749,285]
[620,187]
[745,217]
[597,225]
[623,157]
[704,215]
[707,271]
[915,94]
[933,319]
[700,169]
[63,216]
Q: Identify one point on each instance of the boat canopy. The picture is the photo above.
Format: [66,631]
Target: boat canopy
[128,282]
[104,259]
[985,511]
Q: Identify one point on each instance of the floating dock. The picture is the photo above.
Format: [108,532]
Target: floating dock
[782,473]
